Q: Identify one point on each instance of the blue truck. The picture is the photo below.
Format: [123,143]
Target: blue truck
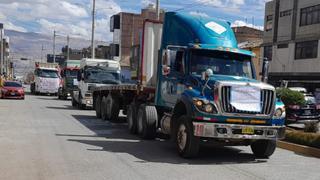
[195,85]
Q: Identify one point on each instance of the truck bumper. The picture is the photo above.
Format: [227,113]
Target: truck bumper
[235,131]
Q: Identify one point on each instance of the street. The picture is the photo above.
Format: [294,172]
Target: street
[45,138]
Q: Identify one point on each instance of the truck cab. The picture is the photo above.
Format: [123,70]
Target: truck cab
[46,79]
[94,73]
[69,72]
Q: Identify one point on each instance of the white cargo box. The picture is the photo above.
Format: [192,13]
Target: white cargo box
[151,42]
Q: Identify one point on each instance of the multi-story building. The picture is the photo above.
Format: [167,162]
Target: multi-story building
[291,42]
[127,29]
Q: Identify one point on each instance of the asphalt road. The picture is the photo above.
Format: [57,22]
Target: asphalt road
[45,138]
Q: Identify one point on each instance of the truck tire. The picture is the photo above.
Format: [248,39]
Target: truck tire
[74,102]
[80,105]
[187,144]
[147,121]
[98,106]
[132,118]
[112,107]
[103,108]
[263,148]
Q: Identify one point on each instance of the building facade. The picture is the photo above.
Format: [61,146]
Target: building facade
[291,42]
[251,39]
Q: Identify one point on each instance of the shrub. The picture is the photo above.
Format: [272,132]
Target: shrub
[311,127]
[290,97]
[302,138]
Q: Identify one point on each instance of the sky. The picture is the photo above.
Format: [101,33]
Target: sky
[73,17]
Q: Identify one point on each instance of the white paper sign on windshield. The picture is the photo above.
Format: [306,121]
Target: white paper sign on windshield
[75,82]
[246,98]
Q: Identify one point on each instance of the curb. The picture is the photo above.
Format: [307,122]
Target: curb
[299,149]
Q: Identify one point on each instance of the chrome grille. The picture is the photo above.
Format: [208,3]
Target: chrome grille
[267,101]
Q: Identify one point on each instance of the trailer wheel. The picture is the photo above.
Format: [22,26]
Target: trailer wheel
[74,102]
[113,107]
[132,118]
[98,106]
[103,108]
[263,148]
[147,121]
[187,144]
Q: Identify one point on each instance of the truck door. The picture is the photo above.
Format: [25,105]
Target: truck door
[173,74]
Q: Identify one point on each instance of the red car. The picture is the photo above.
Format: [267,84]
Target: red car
[12,90]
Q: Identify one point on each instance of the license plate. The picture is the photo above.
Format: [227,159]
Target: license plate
[307,112]
[12,94]
[247,130]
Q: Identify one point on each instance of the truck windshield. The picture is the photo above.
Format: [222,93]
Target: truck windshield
[101,75]
[12,84]
[222,63]
[47,73]
[71,73]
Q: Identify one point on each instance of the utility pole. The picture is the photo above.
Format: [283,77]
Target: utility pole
[92,33]
[54,46]
[68,51]
[158,9]
[41,51]
[1,49]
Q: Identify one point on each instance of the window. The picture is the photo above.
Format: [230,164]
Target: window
[285,13]
[114,22]
[280,46]
[267,51]
[306,50]
[310,15]
[173,62]
[269,23]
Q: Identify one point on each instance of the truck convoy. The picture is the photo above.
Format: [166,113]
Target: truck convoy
[46,79]
[195,85]
[69,72]
[94,73]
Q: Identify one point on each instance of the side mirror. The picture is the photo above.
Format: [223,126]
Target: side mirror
[79,76]
[265,70]
[62,74]
[206,74]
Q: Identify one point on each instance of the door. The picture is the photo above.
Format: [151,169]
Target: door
[173,74]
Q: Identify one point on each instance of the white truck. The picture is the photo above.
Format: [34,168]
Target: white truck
[46,79]
[94,73]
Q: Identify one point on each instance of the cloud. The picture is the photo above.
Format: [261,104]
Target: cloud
[194,13]
[9,25]
[145,3]
[223,3]
[71,17]
[239,23]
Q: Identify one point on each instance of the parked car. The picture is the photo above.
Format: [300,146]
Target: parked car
[306,113]
[12,90]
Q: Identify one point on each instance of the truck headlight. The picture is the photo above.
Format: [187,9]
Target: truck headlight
[208,108]
[278,113]
[204,106]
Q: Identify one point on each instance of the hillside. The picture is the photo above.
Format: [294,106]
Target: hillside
[29,45]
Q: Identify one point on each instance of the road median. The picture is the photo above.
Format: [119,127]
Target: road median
[299,149]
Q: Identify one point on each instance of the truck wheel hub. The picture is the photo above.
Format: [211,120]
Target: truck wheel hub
[182,136]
